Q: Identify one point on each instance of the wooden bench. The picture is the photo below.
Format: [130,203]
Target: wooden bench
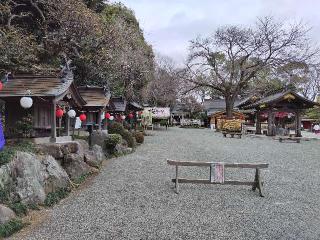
[256,183]
[290,138]
[232,134]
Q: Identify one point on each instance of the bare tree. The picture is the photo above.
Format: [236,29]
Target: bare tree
[233,56]
[163,90]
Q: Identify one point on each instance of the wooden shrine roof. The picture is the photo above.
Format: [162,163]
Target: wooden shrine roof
[288,98]
[95,96]
[118,104]
[54,87]
[42,86]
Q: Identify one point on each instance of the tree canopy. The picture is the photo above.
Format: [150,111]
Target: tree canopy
[103,40]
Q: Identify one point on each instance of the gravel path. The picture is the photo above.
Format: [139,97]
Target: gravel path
[132,198]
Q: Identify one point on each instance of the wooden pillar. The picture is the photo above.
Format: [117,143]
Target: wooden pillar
[53,122]
[298,123]
[258,123]
[270,123]
[99,119]
[67,125]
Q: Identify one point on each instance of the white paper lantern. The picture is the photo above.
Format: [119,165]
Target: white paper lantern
[123,117]
[72,113]
[26,102]
[111,118]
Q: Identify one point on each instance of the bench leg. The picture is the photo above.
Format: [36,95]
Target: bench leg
[177,181]
[254,187]
[258,183]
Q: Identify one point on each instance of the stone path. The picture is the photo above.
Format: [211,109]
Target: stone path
[132,198]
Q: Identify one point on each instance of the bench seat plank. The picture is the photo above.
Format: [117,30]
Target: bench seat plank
[226,165]
[206,181]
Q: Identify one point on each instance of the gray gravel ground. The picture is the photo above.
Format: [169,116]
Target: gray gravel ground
[133,198]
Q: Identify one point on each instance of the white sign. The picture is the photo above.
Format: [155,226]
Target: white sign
[159,113]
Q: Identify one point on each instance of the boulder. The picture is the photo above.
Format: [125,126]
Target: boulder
[98,137]
[55,176]
[75,166]
[5,176]
[29,178]
[94,157]
[52,149]
[34,176]
[6,214]
[83,147]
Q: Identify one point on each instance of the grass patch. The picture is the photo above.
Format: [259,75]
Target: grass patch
[76,137]
[7,154]
[55,197]
[19,208]
[11,227]
[82,178]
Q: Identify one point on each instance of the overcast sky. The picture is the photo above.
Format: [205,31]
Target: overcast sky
[169,25]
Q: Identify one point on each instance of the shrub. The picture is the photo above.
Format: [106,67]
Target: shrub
[10,227]
[139,137]
[19,208]
[126,135]
[55,197]
[116,128]
[111,142]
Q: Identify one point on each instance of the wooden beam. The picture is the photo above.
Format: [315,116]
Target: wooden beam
[226,165]
[258,123]
[53,121]
[206,181]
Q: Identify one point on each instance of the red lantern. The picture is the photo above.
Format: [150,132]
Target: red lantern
[83,117]
[1,86]
[140,113]
[108,115]
[59,113]
[130,115]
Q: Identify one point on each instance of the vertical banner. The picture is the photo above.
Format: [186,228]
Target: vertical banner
[217,173]
[2,140]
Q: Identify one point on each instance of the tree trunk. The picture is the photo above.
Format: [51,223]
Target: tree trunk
[229,106]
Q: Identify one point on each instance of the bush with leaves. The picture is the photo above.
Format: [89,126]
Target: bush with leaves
[129,138]
[139,136]
[111,142]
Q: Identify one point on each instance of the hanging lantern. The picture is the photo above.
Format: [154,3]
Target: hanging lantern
[1,86]
[111,118]
[59,113]
[130,115]
[83,117]
[108,115]
[123,117]
[26,102]
[140,113]
[72,113]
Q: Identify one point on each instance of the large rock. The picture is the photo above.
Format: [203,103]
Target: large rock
[34,176]
[58,150]
[29,178]
[98,137]
[55,176]
[5,176]
[94,157]
[52,149]
[75,166]
[83,147]
[6,214]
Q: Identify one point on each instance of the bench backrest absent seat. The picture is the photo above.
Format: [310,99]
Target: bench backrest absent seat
[256,184]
